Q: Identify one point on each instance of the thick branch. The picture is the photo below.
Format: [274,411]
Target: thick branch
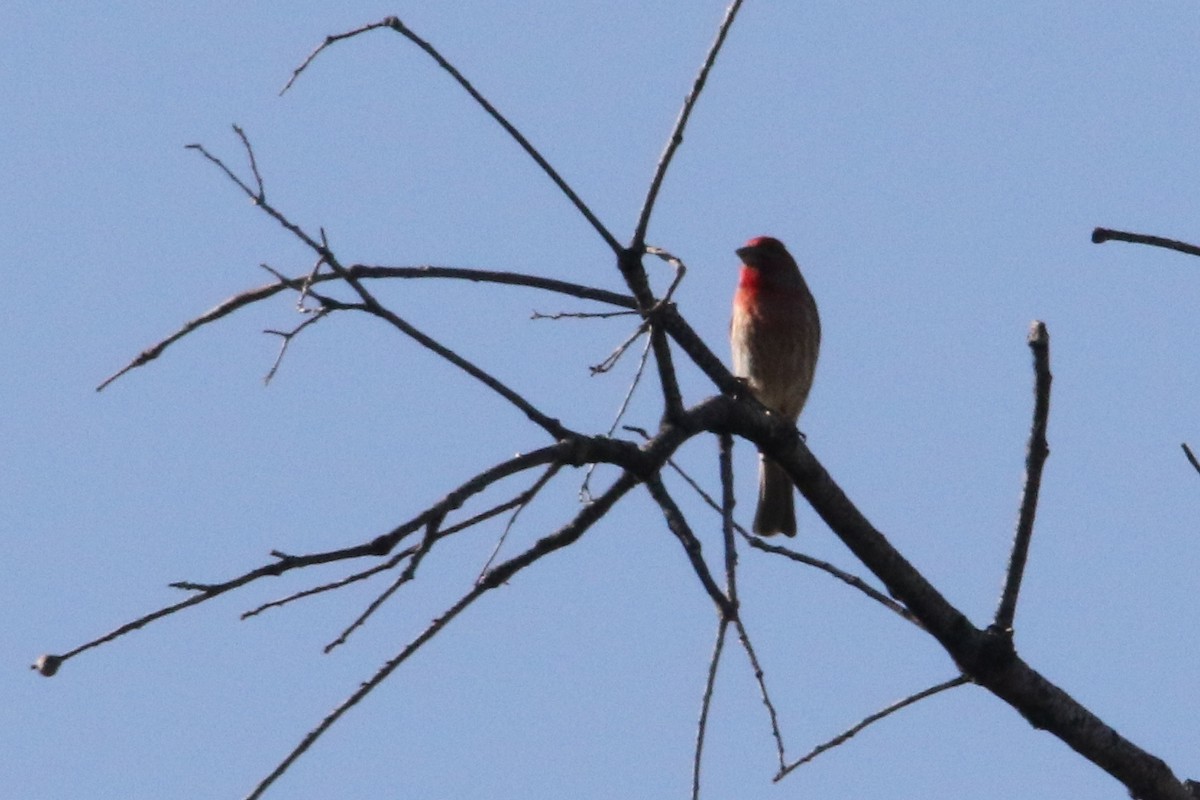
[987,658]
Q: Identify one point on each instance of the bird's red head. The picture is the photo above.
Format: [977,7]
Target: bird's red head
[762,249]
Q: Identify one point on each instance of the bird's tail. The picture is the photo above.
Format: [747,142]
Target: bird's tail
[776,511]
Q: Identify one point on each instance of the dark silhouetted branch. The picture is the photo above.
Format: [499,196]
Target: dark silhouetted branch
[399,27]
[1035,460]
[846,735]
[1101,235]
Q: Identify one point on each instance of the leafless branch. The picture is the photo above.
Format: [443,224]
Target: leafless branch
[410,572]
[518,505]
[615,356]
[555,541]
[725,467]
[760,678]
[1035,460]
[873,718]
[362,575]
[1101,235]
[1191,457]
[363,272]
[678,525]
[581,315]
[710,682]
[399,27]
[680,271]
[379,546]
[372,306]
[676,138]
[767,547]
[286,337]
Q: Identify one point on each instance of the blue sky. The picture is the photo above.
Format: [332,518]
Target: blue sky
[936,168]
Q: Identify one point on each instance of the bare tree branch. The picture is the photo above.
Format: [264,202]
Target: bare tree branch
[710,681]
[873,718]
[678,525]
[561,538]
[986,657]
[676,138]
[410,572]
[1191,457]
[363,272]
[1035,460]
[760,678]
[767,547]
[399,27]
[725,464]
[518,505]
[379,546]
[1101,235]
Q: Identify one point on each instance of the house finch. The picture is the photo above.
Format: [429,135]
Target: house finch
[775,335]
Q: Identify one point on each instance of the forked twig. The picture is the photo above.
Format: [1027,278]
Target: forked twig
[381,545]
[355,577]
[364,272]
[680,271]
[286,337]
[760,544]
[563,537]
[399,27]
[1035,460]
[410,572]
[873,718]
[585,492]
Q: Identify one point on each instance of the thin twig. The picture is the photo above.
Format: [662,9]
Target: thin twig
[676,138]
[364,272]
[381,545]
[519,504]
[760,544]
[893,708]
[287,337]
[760,677]
[262,191]
[581,314]
[332,585]
[563,537]
[410,572]
[1191,457]
[845,577]
[372,306]
[706,702]
[678,525]
[680,271]
[399,27]
[585,491]
[1101,235]
[615,356]
[1035,460]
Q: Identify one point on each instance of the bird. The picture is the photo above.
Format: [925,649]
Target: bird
[775,336]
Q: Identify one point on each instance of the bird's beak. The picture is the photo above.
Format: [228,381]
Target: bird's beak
[746,254]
